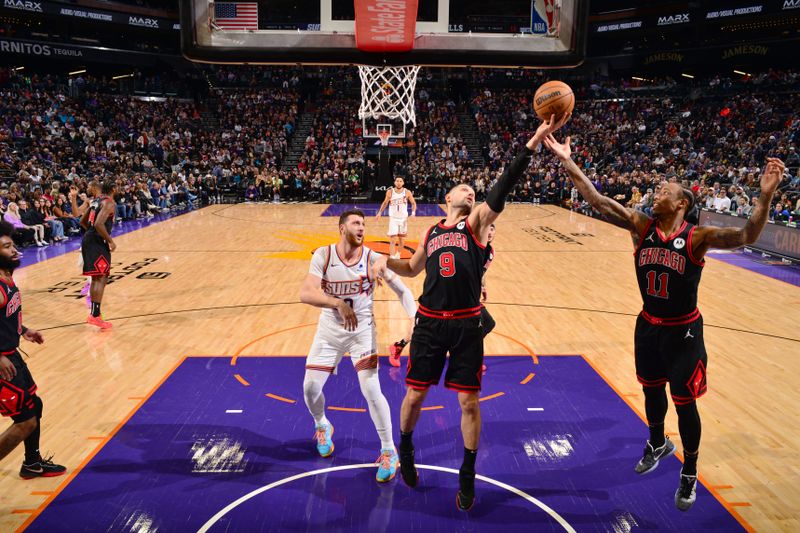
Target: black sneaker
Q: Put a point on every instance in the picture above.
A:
(686, 493)
(652, 456)
(466, 490)
(407, 469)
(42, 468)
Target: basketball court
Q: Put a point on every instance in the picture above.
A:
(189, 415)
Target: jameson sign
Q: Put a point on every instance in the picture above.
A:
(95, 15)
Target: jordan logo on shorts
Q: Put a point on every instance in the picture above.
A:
(688, 334)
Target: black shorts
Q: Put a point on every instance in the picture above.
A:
(16, 396)
(433, 338)
(487, 321)
(96, 257)
(674, 354)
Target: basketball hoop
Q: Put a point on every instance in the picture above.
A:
(388, 92)
(384, 137)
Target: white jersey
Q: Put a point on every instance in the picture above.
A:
(398, 205)
(347, 282)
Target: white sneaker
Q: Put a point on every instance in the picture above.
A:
(686, 493)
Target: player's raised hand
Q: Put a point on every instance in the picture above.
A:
(546, 128)
(349, 319)
(773, 174)
(563, 151)
(378, 268)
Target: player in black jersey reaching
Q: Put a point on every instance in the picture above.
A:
(668, 341)
(452, 253)
(96, 248)
(18, 398)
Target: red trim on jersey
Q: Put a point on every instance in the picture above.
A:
(344, 262)
(672, 321)
(642, 236)
(474, 237)
(685, 400)
(651, 382)
(454, 314)
(328, 369)
(667, 239)
(462, 388)
(4, 294)
(441, 224)
(692, 258)
(10, 352)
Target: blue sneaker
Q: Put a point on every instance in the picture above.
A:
(387, 465)
(322, 436)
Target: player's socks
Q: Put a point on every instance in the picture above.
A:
(95, 309)
(466, 481)
(408, 470)
(689, 463)
(656, 434)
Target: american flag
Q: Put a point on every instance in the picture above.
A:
(230, 16)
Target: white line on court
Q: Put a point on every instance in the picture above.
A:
(231, 506)
(233, 411)
(535, 408)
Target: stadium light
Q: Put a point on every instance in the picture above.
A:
(77, 72)
(19, 68)
(688, 76)
(741, 73)
(122, 76)
(637, 78)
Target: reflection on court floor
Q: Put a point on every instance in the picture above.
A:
(223, 447)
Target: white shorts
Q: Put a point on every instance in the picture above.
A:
(398, 226)
(331, 343)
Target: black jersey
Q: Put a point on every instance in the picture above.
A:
(488, 258)
(453, 270)
(11, 322)
(94, 211)
(668, 273)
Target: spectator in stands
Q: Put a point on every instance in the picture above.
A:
(31, 219)
(44, 214)
(26, 233)
(780, 214)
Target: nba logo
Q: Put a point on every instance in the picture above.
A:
(542, 15)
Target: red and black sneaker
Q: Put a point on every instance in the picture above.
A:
(41, 468)
(394, 352)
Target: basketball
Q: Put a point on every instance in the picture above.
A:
(553, 98)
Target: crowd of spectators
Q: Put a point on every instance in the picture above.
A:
(58, 134)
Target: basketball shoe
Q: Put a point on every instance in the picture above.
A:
(43, 468)
(387, 465)
(322, 436)
(394, 352)
(686, 493)
(651, 456)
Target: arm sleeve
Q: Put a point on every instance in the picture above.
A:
(402, 292)
(496, 197)
(319, 261)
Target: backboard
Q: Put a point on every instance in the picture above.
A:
(496, 33)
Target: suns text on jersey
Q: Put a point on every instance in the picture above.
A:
(347, 288)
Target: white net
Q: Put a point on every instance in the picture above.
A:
(388, 92)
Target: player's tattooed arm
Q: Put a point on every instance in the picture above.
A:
(612, 211)
(707, 237)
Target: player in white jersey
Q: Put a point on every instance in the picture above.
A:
(341, 282)
(397, 198)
